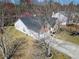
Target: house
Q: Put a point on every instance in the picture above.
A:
(28, 25)
(68, 23)
(73, 22)
(61, 20)
(60, 17)
(31, 26)
(73, 19)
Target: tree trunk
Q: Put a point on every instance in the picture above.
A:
(5, 58)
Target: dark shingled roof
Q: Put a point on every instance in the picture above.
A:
(31, 23)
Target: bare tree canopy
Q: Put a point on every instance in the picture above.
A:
(9, 46)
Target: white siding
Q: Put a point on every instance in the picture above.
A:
(19, 25)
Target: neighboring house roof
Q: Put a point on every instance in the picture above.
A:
(31, 23)
(60, 17)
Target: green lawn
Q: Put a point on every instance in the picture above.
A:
(59, 55)
(17, 34)
(67, 37)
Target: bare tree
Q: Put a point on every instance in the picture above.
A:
(9, 47)
(45, 51)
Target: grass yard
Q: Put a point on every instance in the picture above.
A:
(59, 55)
(31, 50)
(67, 37)
(15, 33)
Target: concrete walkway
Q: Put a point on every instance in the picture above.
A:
(65, 47)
